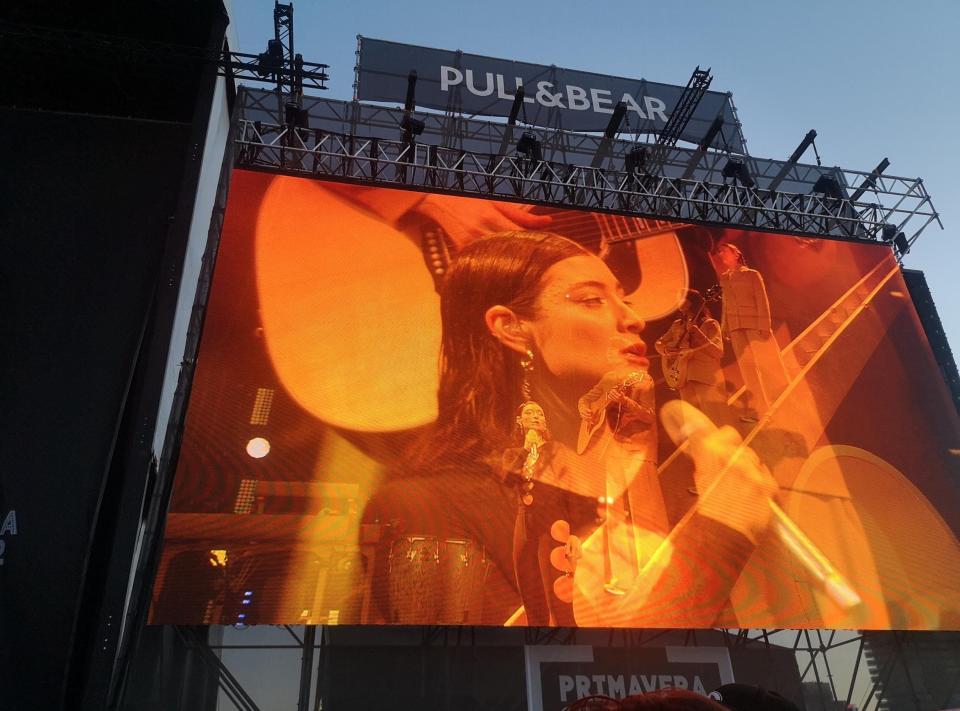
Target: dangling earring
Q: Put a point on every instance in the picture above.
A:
(533, 425)
(526, 363)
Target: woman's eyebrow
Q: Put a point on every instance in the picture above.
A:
(592, 283)
(617, 286)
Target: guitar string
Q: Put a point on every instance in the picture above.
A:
(584, 228)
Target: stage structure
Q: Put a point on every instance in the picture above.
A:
(450, 153)
(361, 143)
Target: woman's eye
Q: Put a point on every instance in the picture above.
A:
(593, 300)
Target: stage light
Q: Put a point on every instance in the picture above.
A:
(412, 126)
(296, 116)
(619, 111)
(270, 61)
(411, 101)
(258, 448)
(792, 160)
(711, 133)
(702, 147)
(870, 180)
(888, 232)
(529, 146)
(635, 160)
(827, 185)
(736, 170)
(517, 104)
(901, 244)
(730, 169)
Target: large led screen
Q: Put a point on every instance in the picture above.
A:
(411, 408)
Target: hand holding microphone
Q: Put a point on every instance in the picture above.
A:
(737, 491)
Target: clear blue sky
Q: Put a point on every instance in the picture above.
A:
(875, 78)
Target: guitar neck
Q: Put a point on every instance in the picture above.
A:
(594, 231)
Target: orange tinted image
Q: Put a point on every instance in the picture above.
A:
(412, 408)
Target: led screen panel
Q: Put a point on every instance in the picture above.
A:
(421, 409)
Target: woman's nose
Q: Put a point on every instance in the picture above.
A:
(630, 320)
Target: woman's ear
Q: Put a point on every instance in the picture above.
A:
(507, 328)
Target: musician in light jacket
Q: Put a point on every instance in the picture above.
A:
(746, 322)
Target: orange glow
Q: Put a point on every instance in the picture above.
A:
(324, 315)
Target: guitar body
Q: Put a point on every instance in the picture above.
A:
(350, 315)
(675, 370)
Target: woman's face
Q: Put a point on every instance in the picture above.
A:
(532, 418)
(583, 328)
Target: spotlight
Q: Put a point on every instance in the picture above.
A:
(517, 104)
(619, 111)
(409, 104)
(708, 138)
(807, 141)
(736, 170)
(888, 233)
(412, 126)
(635, 160)
(828, 186)
(901, 245)
(296, 116)
(270, 61)
(711, 133)
(871, 180)
(529, 146)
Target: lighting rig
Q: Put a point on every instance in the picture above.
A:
(705, 184)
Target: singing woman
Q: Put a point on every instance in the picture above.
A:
(576, 534)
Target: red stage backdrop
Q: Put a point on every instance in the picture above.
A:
(320, 482)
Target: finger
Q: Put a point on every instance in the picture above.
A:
(728, 435)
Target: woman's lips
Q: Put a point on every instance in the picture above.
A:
(636, 354)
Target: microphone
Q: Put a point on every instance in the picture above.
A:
(685, 423)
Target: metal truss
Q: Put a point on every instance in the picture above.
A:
(247, 66)
(840, 669)
(310, 643)
(680, 116)
(701, 199)
(51, 40)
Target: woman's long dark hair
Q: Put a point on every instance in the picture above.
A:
(480, 379)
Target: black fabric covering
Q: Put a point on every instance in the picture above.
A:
(85, 204)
